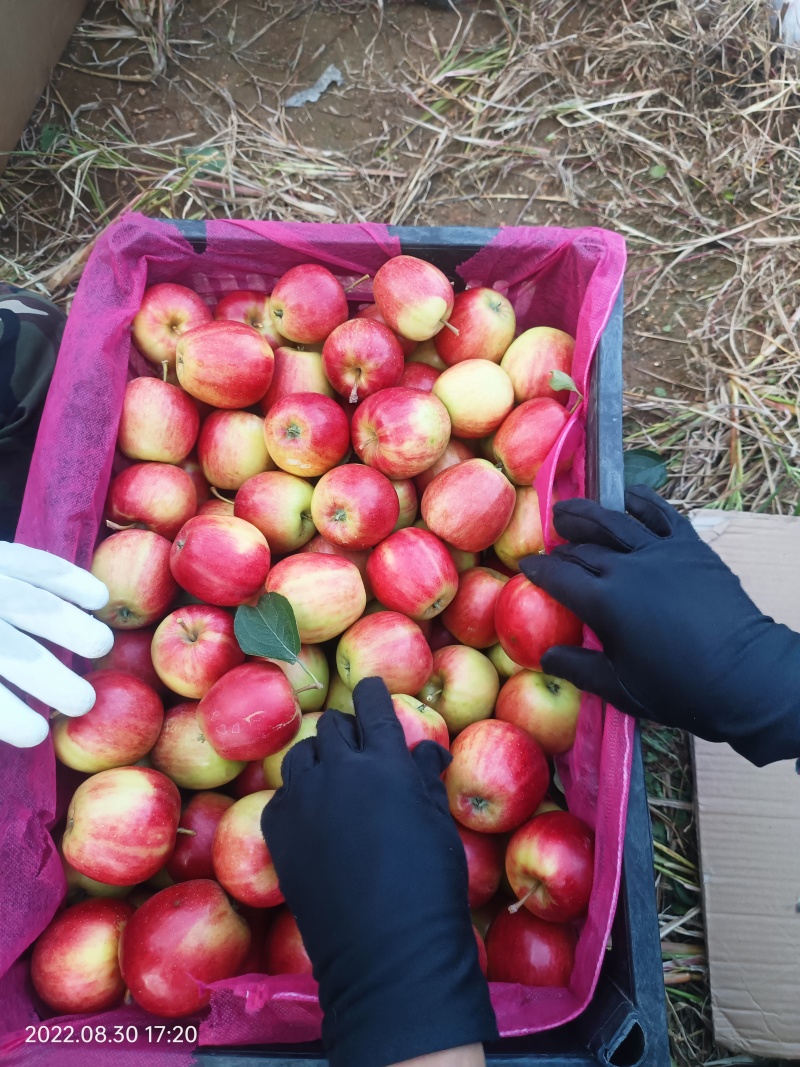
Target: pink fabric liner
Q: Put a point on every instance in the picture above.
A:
(563, 278)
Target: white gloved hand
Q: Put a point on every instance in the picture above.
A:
(38, 594)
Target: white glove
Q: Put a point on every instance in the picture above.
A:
(32, 585)
(789, 12)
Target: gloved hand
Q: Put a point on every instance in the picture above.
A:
(371, 865)
(34, 589)
(683, 644)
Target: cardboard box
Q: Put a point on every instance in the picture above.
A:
(749, 826)
(32, 37)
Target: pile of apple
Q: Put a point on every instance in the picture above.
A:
(376, 472)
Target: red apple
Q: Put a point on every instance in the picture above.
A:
(413, 296)
(192, 467)
(504, 665)
(550, 865)
(154, 496)
(546, 707)
(225, 364)
(307, 304)
(388, 645)
(401, 432)
(456, 452)
(326, 593)
(470, 615)
(217, 506)
(524, 949)
(310, 658)
(529, 621)
(284, 951)
(193, 647)
(273, 778)
(252, 308)
(220, 559)
(527, 436)
(359, 558)
(360, 357)
(407, 500)
(184, 754)
(167, 311)
(279, 505)
(418, 376)
(134, 567)
(419, 722)
(179, 942)
(477, 394)
(251, 779)
(412, 572)
(307, 434)
(231, 448)
(485, 321)
(437, 634)
(498, 777)
(484, 864)
(131, 653)
(531, 359)
(121, 825)
(469, 505)
(74, 966)
(354, 506)
(523, 536)
(462, 686)
(121, 727)
(483, 959)
(242, 863)
(426, 353)
(250, 713)
(192, 855)
(296, 371)
(371, 312)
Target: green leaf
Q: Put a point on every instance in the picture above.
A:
(643, 467)
(50, 134)
(559, 381)
(269, 629)
(657, 172)
(660, 391)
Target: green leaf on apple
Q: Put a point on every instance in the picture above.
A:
(643, 467)
(560, 381)
(270, 630)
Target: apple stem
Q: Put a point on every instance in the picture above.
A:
(186, 630)
(183, 830)
(307, 688)
(514, 908)
(164, 369)
(215, 492)
(431, 697)
(354, 391)
(316, 683)
(450, 326)
(116, 526)
(356, 283)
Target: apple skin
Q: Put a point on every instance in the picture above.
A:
(120, 728)
(167, 311)
(462, 686)
(242, 863)
(193, 647)
(192, 467)
(524, 949)
(250, 780)
(191, 857)
(437, 635)
(386, 644)
(74, 966)
(216, 507)
(504, 665)
(177, 943)
(412, 572)
(371, 312)
(419, 722)
(231, 448)
(326, 593)
(131, 654)
(400, 431)
(121, 825)
(531, 359)
(426, 353)
(407, 500)
(306, 434)
(360, 357)
(251, 307)
(134, 567)
(469, 505)
(485, 321)
(225, 364)
(157, 496)
(545, 706)
(340, 696)
(553, 855)
(413, 296)
(470, 614)
(250, 712)
(529, 621)
(279, 505)
(526, 438)
(313, 656)
(284, 951)
(478, 396)
(419, 376)
(484, 864)
(354, 506)
(296, 371)
(498, 777)
(457, 451)
(523, 536)
(185, 755)
(307, 304)
(273, 779)
(220, 559)
(358, 557)
(483, 959)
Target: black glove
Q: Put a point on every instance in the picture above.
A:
(683, 643)
(373, 869)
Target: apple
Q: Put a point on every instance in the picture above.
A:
(184, 754)
(469, 505)
(131, 653)
(296, 371)
(407, 500)
(528, 951)
(419, 722)
(437, 634)
(191, 857)
(307, 304)
(192, 467)
(340, 696)
(313, 658)
(154, 496)
(529, 621)
(250, 780)
(426, 353)
(121, 825)
(242, 863)
(504, 665)
(412, 572)
(371, 312)
(470, 615)
(251, 307)
(463, 560)
(545, 706)
(484, 864)
(389, 645)
(220, 559)
(523, 536)
(550, 865)
(167, 311)
(483, 959)
(284, 951)
(527, 437)
(531, 359)
(322, 547)
(74, 966)
(307, 434)
(273, 778)
(456, 452)
(120, 728)
(79, 886)
(193, 647)
(418, 376)
(498, 777)
(231, 448)
(485, 321)
(326, 593)
(179, 942)
(354, 506)
(360, 357)
(400, 431)
(134, 567)
(250, 712)
(477, 394)
(462, 686)
(225, 364)
(217, 506)
(413, 296)
(279, 505)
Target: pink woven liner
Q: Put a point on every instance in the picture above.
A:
(563, 278)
